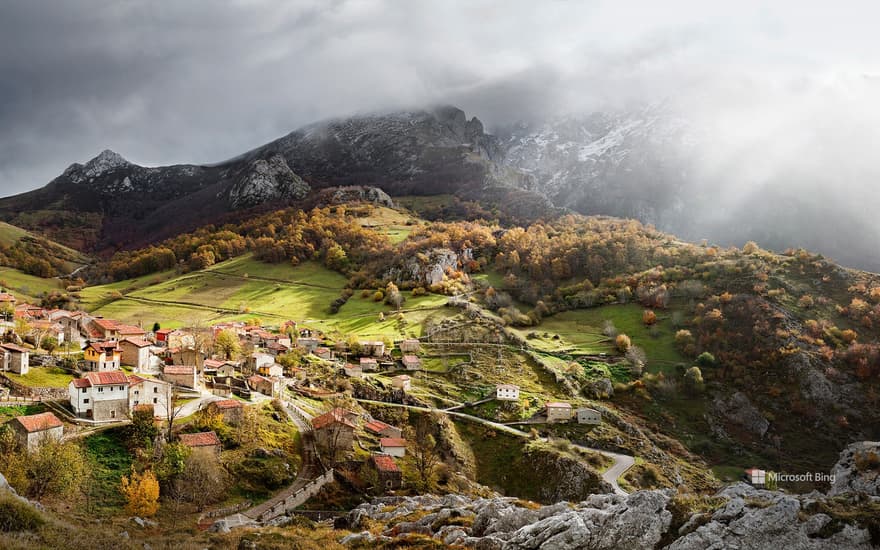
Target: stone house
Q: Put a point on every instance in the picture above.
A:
(368, 364)
(135, 353)
(266, 386)
(257, 360)
(181, 375)
(388, 474)
(375, 348)
(32, 430)
(273, 369)
(558, 412)
(411, 362)
(15, 358)
(334, 430)
(377, 427)
(586, 415)
(231, 410)
(323, 353)
(203, 443)
(410, 345)
(101, 396)
(353, 371)
(402, 382)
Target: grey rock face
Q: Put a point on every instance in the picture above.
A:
(267, 180)
(739, 410)
(858, 470)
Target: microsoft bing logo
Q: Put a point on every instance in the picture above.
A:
(756, 477)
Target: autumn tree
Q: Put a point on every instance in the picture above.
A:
(423, 453)
(228, 344)
(141, 492)
(622, 342)
(649, 317)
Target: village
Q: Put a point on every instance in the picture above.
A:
(118, 372)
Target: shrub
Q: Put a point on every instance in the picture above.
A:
(16, 515)
(706, 359)
(649, 317)
(623, 343)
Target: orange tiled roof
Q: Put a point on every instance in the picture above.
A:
(201, 439)
(336, 416)
(385, 463)
(39, 422)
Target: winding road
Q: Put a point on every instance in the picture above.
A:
(622, 462)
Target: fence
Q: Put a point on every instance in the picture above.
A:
(298, 498)
(223, 512)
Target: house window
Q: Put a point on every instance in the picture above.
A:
(155, 400)
(155, 389)
(86, 400)
(136, 402)
(137, 392)
(84, 390)
(100, 389)
(113, 414)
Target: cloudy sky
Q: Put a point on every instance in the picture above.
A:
(201, 81)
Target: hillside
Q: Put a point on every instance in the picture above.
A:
(705, 354)
(36, 255)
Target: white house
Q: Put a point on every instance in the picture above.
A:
(558, 412)
(393, 446)
(507, 392)
(100, 396)
(274, 370)
(410, 345)
(149, 391)
(32, 430)
(411, 362)
(376, 348)
(15, 358)
(586, 415)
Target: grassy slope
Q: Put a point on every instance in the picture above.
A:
(243, 287)
(26, 287)
(43, 377)
(10, 234)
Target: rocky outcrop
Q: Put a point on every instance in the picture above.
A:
(858, 470)
(744, 517)
(428, 267)
(267, 180)
(356, 193)
(753, 518)
(739, 410)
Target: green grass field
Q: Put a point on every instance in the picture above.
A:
(243, 288)
(580, 332)
(42, 377)
(26, 287)
(10, 234)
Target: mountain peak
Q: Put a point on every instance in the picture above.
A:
(105, 161)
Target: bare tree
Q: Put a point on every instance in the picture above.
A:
(173, 408)
(423, 452)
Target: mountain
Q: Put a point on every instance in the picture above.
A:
(110, 203)
(647, 163)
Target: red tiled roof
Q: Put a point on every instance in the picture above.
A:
(81, 383)
(134, 380)
(376, 426)
(336, 416)
(130, 330)
(164, 331)
(256, 379)
(202, 439)
(392, 442)
(13, 347)
(107, 378)
(39, 422)
(6, 297)
(179, 369)
(106, 324)
(558, 404)
(213, 364)
(385, 463)
(105, 347)
(227, 404)
(138, 342)
(411, 358)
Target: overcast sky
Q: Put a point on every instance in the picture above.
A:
(193, 81)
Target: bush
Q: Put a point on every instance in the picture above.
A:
(16, 515)
(623, 343)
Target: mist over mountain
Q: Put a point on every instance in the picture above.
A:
(649, 163)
